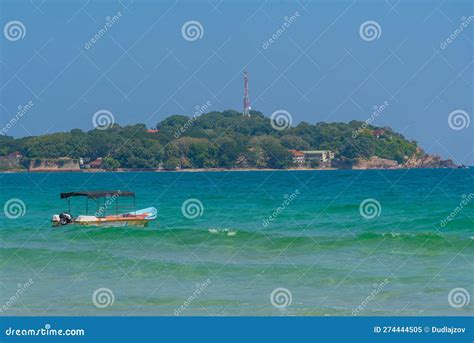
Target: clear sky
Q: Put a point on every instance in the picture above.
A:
(319, 66)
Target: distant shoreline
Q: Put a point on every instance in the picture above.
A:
(200, 170)
(227, 141)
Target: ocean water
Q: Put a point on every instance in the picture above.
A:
(262, 243)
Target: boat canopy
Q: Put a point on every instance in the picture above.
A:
(97, 194)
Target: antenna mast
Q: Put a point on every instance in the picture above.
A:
(246, 111)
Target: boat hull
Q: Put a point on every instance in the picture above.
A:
(139, 218)
(113, 223)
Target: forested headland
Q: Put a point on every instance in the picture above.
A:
(215, 140)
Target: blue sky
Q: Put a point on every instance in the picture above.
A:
(319, 69)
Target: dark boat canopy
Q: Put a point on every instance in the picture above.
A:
(97, 194)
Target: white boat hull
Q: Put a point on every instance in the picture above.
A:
(136, 218)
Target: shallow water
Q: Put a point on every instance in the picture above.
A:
(318, 246)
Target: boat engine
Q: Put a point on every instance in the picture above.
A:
(65, 218)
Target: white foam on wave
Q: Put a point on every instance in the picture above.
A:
(225, 232)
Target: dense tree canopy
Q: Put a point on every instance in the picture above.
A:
(216, 139)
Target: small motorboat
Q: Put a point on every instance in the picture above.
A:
(100, 217)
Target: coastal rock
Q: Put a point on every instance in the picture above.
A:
(10, 162)
(375, 162)
(428, 161)
(59, 164)
(420, 160)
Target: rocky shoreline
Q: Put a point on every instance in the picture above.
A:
(426, 161)
(419, 160)
(198, 170)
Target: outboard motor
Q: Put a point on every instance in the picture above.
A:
(65, 218)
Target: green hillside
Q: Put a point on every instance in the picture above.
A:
(216, 139)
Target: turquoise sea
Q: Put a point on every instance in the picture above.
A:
(262, 243)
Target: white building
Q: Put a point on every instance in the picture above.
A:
(318, 155)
